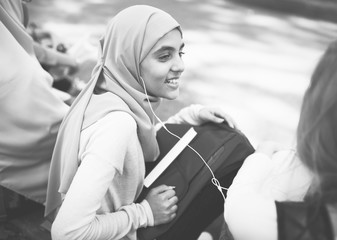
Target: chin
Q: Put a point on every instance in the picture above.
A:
(172, 95)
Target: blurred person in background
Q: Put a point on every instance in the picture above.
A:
(56, 61)
(30, 111)
(293, 194)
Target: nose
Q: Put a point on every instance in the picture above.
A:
(178, 65)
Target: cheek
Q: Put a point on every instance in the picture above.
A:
(151, 80)
(154, 80)
(157, 72)
(154, 74)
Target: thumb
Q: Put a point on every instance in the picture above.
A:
(161, 188)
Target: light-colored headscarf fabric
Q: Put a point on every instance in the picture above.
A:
(30, 112)
(129, 37)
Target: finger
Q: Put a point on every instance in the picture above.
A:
(212, 116)
(161, 189)
(222, 114)
(217, 119)
(173, 201)
(173, 216)
(173, 211)
(228, 119)
(218, 114)
(168, 194)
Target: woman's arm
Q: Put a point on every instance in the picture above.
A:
(52, 57)
(101, 161)
(197, 114)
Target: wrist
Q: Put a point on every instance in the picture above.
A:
(150, 218)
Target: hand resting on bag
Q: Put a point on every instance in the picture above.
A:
(216, 115)
(163, 202)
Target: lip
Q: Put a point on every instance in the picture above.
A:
(170, 79)
(172, 83)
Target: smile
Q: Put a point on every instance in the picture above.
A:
(173, 81)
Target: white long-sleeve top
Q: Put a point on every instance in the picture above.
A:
(100, 201)
(250, 210)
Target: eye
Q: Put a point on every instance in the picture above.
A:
(164, 57)
(181, 53)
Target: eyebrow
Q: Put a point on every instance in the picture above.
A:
(168, 48)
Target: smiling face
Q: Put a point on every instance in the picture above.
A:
(162, 67)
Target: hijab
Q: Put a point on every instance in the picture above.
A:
(129, 37)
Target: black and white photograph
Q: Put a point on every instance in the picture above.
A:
(168, 120)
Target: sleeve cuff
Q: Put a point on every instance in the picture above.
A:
(148, 212)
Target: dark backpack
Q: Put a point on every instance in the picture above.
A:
(224, 150)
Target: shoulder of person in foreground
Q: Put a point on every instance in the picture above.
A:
(270, 174)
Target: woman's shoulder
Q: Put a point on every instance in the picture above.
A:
(107, 109)
(116, 122)
(109, 137)
(120, 119)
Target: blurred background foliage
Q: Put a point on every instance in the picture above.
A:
(254, 58)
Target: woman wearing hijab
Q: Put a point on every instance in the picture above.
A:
(98, 164)
(293, 196)
(30, 111)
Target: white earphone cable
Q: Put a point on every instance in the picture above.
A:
(214, 180)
